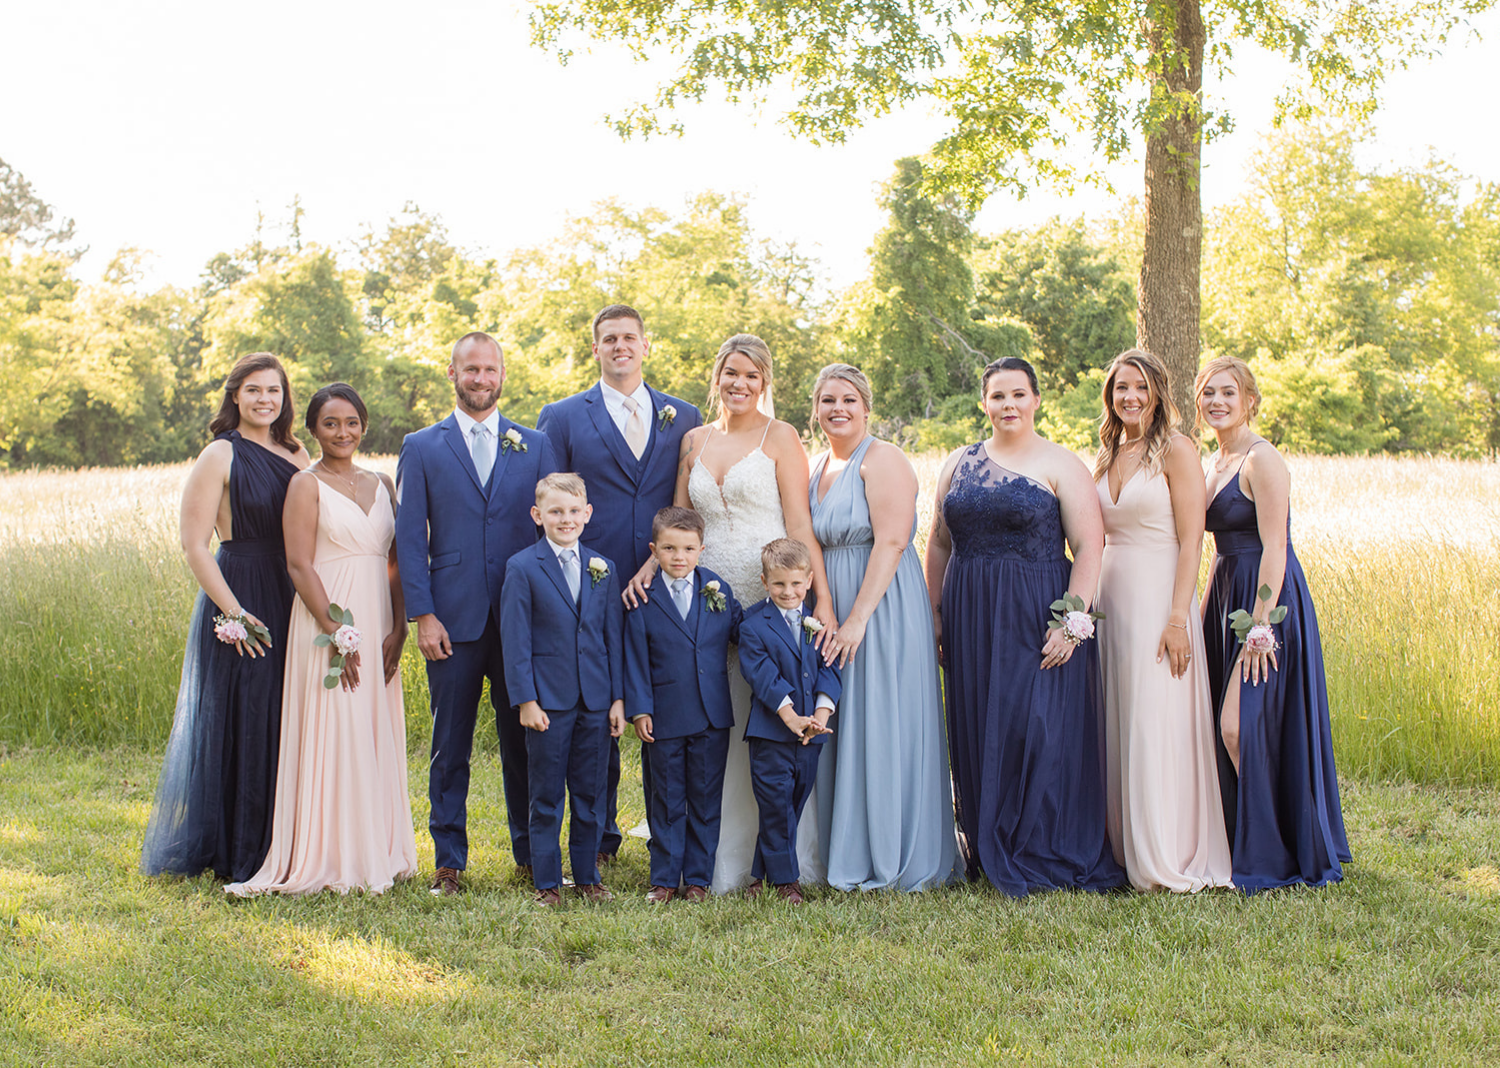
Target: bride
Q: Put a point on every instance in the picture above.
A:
(746, 474)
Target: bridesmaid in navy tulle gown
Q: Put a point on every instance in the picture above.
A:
(1276, 774)
(1025, 726)
(214, 796)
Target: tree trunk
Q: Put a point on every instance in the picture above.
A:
(1168, 302)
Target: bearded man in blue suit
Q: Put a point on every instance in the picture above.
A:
(465, 488)
(623, 437)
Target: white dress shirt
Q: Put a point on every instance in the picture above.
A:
(614, 403)
(467, 423)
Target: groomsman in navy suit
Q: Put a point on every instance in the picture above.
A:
(677, 698)
(623, 437)
(465, 487)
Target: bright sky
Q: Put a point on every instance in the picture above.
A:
(166, 124)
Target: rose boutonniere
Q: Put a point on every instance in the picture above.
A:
(666, 417)
(511, 441)
(237, 628)
(812, 626)
(1075, 621)
(598, 570)
(1257, 637)
(344, 641)
(713, 596)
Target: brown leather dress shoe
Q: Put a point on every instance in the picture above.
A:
(548, 898)
(791, 893)
(753, 890)
(660, 895)
(445, 883)
(595, 893)
(695, 894)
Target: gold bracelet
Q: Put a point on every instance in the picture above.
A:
(1182, 625)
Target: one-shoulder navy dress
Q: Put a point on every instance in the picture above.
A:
(1282, 809)
(218, 780)
(1027, 745)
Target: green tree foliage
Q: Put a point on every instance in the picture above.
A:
(1367, 299)
(25, 218)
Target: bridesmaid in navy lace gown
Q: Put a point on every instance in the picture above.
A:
(1025, 726)
(1276, 773)
(214, 795)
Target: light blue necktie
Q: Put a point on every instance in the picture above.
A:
(682, 593)
(569, 560)
(484, 457)
(793, 618)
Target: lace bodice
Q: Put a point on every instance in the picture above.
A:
(738, 518)
(991, 511)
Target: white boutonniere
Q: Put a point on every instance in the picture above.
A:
(511, 441)
(598, 570)
(666, 417)
(713, 596)
(812, 626)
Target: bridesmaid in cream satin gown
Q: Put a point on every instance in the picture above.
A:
(343, 813)
(1165, 821)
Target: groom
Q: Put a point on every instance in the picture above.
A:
(623, 437)
(465, 487)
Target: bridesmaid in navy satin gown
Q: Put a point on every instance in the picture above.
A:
(1276, 773)
(1025, 716)
(218, 779)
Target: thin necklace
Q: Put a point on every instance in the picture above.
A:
(352, 483)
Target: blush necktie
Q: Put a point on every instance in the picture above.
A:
(635, 428)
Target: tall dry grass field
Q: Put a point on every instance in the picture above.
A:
(1403, 557)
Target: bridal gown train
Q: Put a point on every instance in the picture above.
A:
(738, 518)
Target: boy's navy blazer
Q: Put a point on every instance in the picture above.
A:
(776, 663)
(557, 652)
(626, 493)
(454, 535)
(677, 670)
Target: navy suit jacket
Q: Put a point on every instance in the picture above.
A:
(677, 670)
(557, 652)
(626, 493)
(453, 538)
(777, 664)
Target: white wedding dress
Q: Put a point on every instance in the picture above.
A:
(740, 517)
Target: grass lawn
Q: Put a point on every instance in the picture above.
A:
(99, 966)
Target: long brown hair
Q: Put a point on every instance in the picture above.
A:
(228, 416)
(1163, 418)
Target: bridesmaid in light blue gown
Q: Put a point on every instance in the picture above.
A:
(885, 803)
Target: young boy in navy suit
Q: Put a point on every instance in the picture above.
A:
(677, 695)
(562, 627)
(793, 692)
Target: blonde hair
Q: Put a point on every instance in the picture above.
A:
(788, 553)
(562, 482)
(1163, 416)
(1243, 376)
(757, 352)
(841, 372)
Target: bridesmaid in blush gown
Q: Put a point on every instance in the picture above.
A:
(1165, 821)
(213, 797)
(1276, 773)
(343, 814)
(883, 790)
(746, 474)
(1024, 723)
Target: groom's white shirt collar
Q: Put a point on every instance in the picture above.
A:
(467, 423)
(614, 403)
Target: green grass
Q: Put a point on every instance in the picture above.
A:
(100, 966)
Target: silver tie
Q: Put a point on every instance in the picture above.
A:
(635, 428)
(793, 618)
(682, 593)
(569, 560)
(484, 457)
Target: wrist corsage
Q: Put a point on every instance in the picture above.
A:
(1257, 637)
(666, 417)
(812, 626)
(598, 570)
(238, 628)
(713, 597)
(344, 641)
(1072, 617)
(511, 441)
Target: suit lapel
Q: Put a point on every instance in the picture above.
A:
(653, 428)
(793, 640)
(668, 607)
(502, 454)
(455, 438)
(610, 434)
(553, 567)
